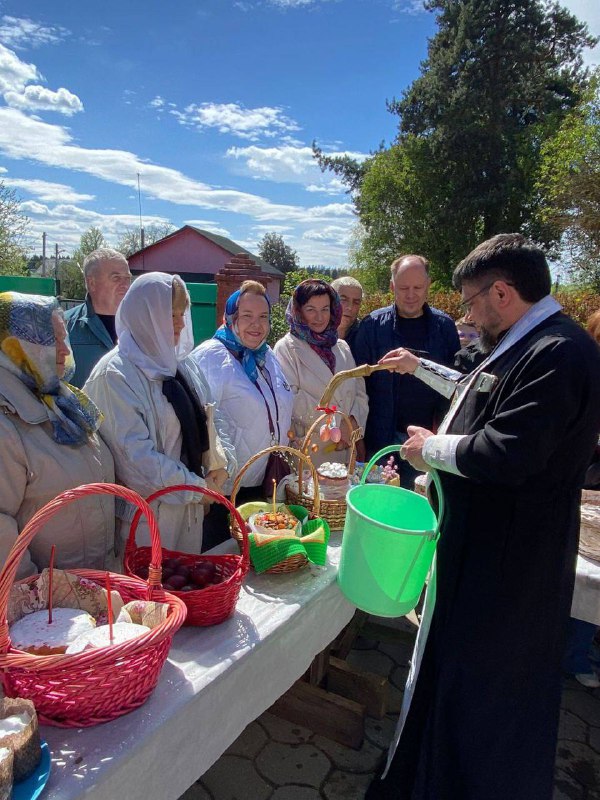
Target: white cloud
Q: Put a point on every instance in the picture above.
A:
(289, 164)
(38, 98)
(64, 223)
(260, 229)
(233, 118)
(208, 225)
(22, 137)
(291, 3)
(15, 75)
(411, 7)
(157, 102)
(587, 11)
(19, 32)
(334, 186)
(47, 191)
(329, 233)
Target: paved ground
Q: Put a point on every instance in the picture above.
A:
(276, 760)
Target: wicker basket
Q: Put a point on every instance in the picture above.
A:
(102, 684)
(213, 604)
(334, 511)
(295, 561)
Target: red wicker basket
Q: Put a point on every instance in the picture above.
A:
(73, 691)
(213, 604)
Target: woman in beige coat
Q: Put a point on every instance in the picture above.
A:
(309, 355)
(48, 442)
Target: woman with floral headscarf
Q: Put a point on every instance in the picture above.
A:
(158, 412)
(247, 382)
(48, 442)
(310, 354)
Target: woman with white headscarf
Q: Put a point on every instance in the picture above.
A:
(158, 419)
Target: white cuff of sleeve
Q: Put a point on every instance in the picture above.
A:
(439, 451)
(439, 383)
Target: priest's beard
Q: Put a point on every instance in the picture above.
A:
(487, 340)
(491, 329)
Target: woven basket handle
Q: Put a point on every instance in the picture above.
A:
(356, 372)
(302, 457)
(355, 435)
(130, 546)
(9, 571)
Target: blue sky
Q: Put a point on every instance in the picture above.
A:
(214, 103)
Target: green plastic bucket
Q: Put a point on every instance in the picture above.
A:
(388, 545)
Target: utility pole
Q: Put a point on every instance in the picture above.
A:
(142, 232)
(44, 254)
(56, 281)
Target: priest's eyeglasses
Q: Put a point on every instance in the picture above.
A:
(465, 305)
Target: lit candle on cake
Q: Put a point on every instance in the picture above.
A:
(109, 607)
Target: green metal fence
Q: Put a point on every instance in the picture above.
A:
(204, 307)
(24, 285)
(202, 295)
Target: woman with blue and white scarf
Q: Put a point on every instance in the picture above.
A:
(247, 383)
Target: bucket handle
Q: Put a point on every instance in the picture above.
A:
(395, 448)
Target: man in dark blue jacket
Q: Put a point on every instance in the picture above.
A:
(396, 401)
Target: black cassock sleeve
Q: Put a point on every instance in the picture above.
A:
(541, 397)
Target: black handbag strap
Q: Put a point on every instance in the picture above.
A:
(268, 381)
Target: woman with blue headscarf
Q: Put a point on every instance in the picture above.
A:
(247, 383)
(48, 442)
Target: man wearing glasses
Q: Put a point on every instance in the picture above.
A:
(91, 325)
(396, 401)
(480, 715)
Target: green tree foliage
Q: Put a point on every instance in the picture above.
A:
(70, 270)
(277, 253)
(578, 303)
(569, 184)
(71, 281)
(13, 224)
(499, 79)
(130, 241)
(92, 239)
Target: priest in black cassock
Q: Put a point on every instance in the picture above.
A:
(481, 708)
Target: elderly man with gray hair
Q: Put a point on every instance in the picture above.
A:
(351, 295)
(91, 325)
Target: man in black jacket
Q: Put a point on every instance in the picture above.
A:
(396, 401)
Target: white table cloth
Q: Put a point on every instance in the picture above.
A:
(586, 595)
(215, 682)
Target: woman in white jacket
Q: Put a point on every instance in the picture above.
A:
(247, 383)
(310, 354)
(157, 414)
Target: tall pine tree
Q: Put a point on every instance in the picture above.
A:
(499, 78)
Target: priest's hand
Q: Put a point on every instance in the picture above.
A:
(400, 360)
(412, 448)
